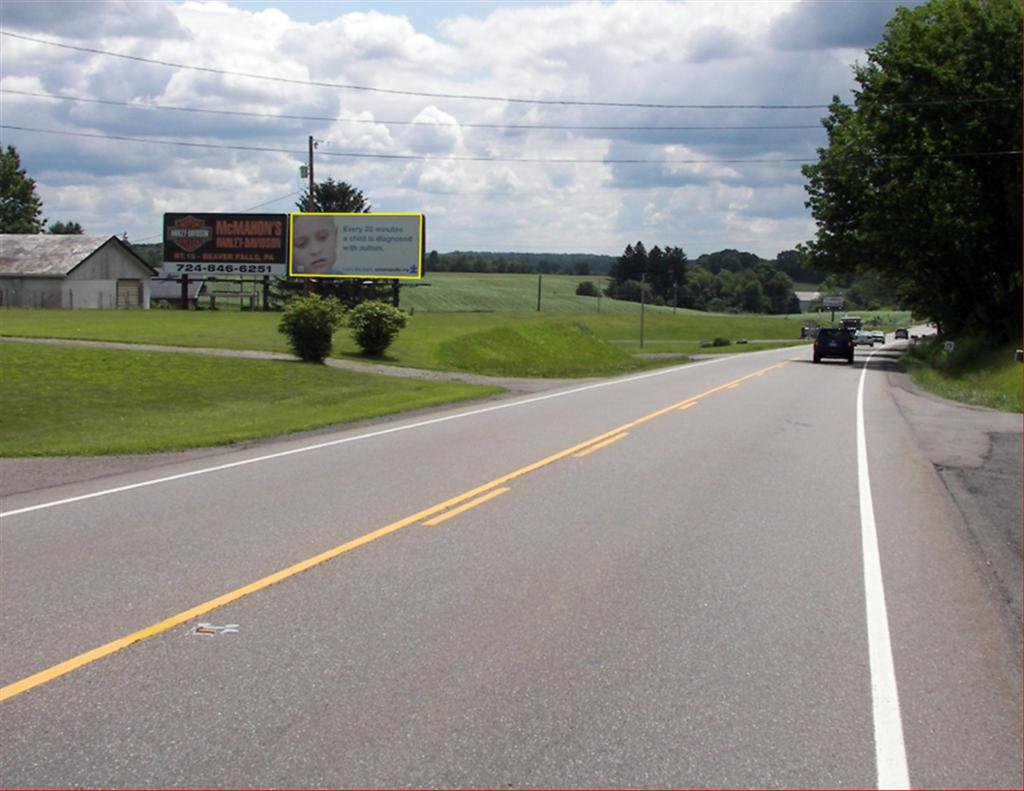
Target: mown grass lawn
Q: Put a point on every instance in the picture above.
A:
(213, 329)
(133, 402)
(425, 343)
(451, 306)
(74, 401)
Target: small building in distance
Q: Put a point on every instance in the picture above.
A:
(806, 298)
(71, 271)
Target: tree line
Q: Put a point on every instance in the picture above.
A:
(729, 280)
(723, 282)
(519, 263)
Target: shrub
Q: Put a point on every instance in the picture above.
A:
(374, 325)
(720, 342)
(631, 290)
(587, 289)
(310, 322)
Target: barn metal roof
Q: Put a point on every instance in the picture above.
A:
(52, 255)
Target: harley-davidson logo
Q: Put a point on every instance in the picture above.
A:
(190, 233)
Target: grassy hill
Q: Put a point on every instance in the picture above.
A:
(453, 292)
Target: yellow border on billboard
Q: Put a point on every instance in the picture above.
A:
(363, 276)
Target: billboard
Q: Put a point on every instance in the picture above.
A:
(225, 244)
(367, 245)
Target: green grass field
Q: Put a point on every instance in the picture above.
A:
(133, 402)
(458, 292)
(72, 401)
(419, 345)
(449, 292)
(213, 329)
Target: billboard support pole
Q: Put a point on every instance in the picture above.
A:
(184, 292)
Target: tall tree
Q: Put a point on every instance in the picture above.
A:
(668, 278)
(778, 292)
(794, 263)
(336, 196)
(630, 265)
(21, 208)
(662, 270)
(921, 181)
(730, 260)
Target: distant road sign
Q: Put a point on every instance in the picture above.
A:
(832, 303)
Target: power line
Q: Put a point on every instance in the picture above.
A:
(424, 94)
(478, 97)
(504, 160)
(272, 200)
(403, 157)
(455, 124)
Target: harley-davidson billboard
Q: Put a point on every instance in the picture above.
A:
(225, 244)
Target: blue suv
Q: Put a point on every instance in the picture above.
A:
(833, 342)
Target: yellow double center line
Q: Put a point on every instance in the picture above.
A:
(433, 515)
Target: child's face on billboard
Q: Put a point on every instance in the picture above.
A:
(314, 247)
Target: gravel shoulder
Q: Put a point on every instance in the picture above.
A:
(977, 453)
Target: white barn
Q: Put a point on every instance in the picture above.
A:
(71, 271)
(806, 298)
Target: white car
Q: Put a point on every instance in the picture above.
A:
(863, 338)
(878, 335)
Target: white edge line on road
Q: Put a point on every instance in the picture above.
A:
(372, 434)
(890, 750)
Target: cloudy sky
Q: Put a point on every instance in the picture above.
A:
(514, 126)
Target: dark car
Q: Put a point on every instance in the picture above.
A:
(901, 334)
(833, 342)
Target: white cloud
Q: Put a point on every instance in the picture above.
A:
(576, 191)
(436, 132)
(362, 134)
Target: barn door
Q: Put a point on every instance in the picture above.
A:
(128, 293)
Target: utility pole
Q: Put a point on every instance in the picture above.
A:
(539, 277)
(643, 288)
(310, 206)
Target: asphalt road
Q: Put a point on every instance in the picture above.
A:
(665, 580)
